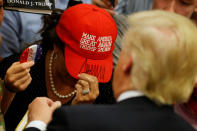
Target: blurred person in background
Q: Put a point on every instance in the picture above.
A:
(189, 110)
(2, 124)
(131, 6)
(1, 19)
(183, 7)
(20, 29)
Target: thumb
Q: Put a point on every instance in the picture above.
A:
(28, 64)
(55, 105)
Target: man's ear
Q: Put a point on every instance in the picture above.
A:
(128, 66)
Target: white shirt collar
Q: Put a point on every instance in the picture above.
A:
(129, 94)
(37, 124)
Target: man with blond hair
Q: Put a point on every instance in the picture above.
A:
(187, 8)
(154, 71)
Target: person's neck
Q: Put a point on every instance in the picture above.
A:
(65, 79)
(123, 87)
(62, 76)
(129, 94)
(57, 84)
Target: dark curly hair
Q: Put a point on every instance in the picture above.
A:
(48, 31)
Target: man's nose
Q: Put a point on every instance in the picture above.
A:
(171, 6)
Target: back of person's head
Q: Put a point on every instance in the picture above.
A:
(164, 52)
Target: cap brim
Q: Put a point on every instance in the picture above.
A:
(76, 64)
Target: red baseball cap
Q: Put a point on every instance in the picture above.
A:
(88, 33)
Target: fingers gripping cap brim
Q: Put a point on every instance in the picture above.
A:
(76, 64)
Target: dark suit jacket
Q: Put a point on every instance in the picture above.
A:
(134, 114)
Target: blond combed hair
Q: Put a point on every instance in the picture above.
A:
(164, 52)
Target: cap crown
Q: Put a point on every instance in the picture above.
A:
(87, 30)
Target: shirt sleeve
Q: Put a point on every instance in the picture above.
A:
(37, 124)
(131, 6)
(10, 31)
(120, 8)
(87, 1)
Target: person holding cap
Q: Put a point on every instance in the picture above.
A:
(77, 54)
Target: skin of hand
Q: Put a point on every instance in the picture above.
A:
(18, 77)
(86, 82)
(106, 4)
(42, 109)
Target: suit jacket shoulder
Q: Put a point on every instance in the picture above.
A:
(136, 114)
